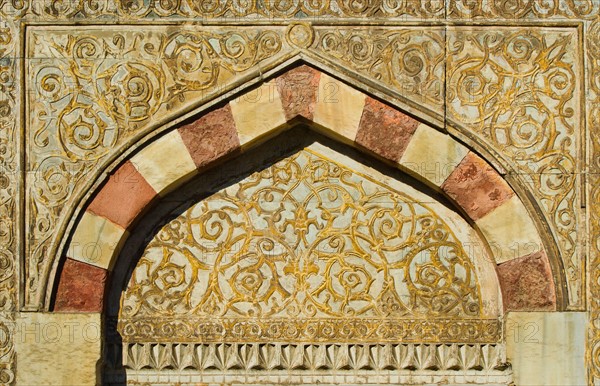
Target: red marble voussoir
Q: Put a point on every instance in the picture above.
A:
(81, 287)
(477, 187)
(123, 197)
(298, 89)
(211, 136)
(384, 130)
(527, 283)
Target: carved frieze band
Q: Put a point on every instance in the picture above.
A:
(307, 330)
(330, 9)
(208, 357)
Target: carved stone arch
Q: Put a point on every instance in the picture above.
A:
(395, 335)
(84, 88)
(486, 200)
(365, 122)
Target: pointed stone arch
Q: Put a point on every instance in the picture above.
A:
(339, 111)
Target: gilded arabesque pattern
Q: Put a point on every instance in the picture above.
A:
(408, 61)
(519, 92)
(306, 249)
(522, 9)
(329, 9)
(494, 87)
(593, 189)
(92, 92)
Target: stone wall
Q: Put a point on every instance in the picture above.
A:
(492, 105)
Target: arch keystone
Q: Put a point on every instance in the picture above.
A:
(339, 107)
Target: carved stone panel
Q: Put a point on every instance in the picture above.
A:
(83, 81)
(92, 93)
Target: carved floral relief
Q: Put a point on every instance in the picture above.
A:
(520, 92)
(90, 93)
(306, 250)
(99, 88)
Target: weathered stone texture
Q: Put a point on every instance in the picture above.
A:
(81, 287)
(96, 240)
(298, 90)
(257, 112)
(527, 283)
(547, 348)
(165, 163)
(432, 155)
(211, 136)
(476, 187)
(123, 197)
(58, 348)
(384, 130)
(510, 231)
(339, 107)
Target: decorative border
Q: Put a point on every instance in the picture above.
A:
(274, 357)
(592, 186)
(330, 9)
(357, 331)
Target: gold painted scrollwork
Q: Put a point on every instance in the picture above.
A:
(92, 92)
(305, 239)
(519, 91)
(593, 184)
(7, 352)
(299, 9)
(9, 191)
(409, 61)
(520, 9)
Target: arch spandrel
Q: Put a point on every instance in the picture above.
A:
(317, 242)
